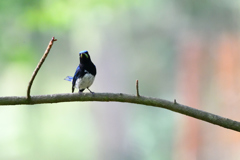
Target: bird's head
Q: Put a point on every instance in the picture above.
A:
(84, 57)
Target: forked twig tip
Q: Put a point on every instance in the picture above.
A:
(53, 39)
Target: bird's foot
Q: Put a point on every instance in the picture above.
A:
(90, 91)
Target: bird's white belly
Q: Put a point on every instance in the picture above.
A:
(84, 82)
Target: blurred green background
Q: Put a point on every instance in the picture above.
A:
(177, 49)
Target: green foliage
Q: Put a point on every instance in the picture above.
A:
(21, 54)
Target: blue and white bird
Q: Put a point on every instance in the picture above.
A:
(85, 73)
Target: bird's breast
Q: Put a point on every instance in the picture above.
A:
(85, 81)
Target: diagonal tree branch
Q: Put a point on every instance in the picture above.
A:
(119, 97)
(39, 66)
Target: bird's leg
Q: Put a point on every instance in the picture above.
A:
(81, 90)
(90, 91)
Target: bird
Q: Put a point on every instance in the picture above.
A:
(85, 73)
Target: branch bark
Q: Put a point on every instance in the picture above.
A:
(119, 97)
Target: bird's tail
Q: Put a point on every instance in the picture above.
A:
(69, 78)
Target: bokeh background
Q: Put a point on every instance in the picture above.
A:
(177, 49)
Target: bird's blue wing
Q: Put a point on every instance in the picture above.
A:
(78, 74)
(69, 78)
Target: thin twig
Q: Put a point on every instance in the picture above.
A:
(175, 101)
(39, 66)
(121, 97)
(137, 89)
